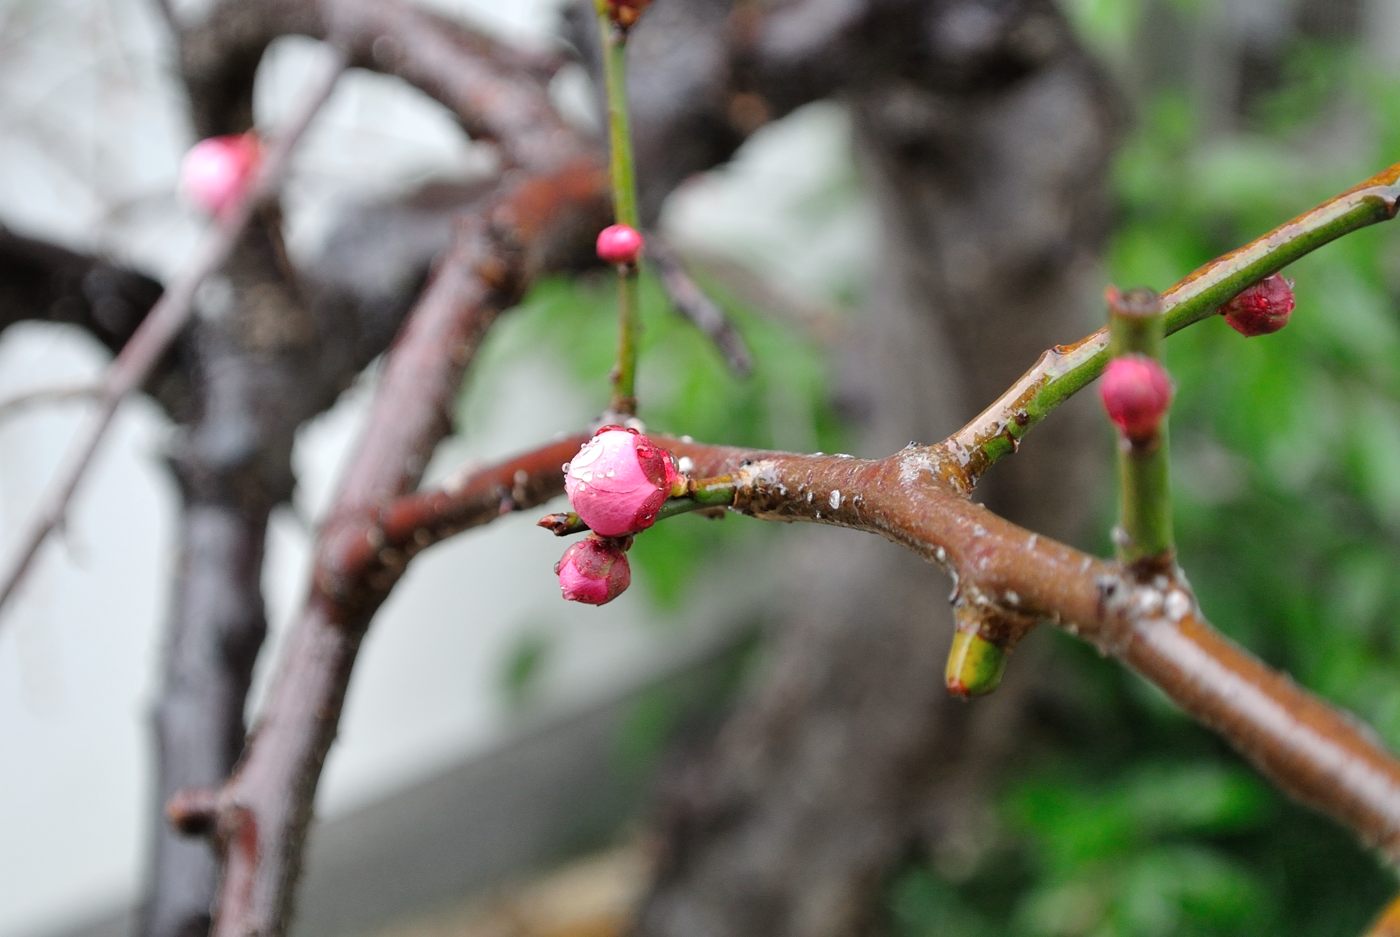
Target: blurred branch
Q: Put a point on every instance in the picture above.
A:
(264, 809)
(166, 9)
(138, 358)
(691, 301)
(44, 282)
(1060, 372)
(1388, 924)
(497, 91)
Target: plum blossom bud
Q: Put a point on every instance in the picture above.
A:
(1262, 307)
(619, 480)
(1136, 393)
(619, 244)
(217, 172)
(594, 570)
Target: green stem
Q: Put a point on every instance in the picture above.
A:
(1065, 369)
(700, 493)
(624, 186)
(1135, 325)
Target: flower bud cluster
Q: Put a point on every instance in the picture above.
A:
(616, 485)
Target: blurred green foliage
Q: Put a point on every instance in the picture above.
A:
(1286, 450)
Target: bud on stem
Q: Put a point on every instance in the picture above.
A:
(1137, 393)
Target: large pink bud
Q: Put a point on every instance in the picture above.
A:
(593, 571)
(1136, 393)
(217, 172)
(1262, 307)
(619, 480)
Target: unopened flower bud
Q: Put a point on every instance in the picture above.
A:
(1262, 307)
(1136, 392)
(974, 667)
(217, 172)
(619, 244)
(594, 570)
(619, 480)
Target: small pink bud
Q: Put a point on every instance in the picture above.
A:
(1136, 393)
(619, 244)
(619, 480)
(217, 172)
(1261, 308)
(594, 571)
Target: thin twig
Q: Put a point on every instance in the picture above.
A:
(692, 302)
(167, 318)
(624, 186)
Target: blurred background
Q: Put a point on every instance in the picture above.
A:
(510, 764)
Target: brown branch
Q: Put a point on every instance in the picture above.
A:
(43, 281)
(263, 811)
(917, 497)
(355, 552)
(1388, 923)
(139, 357)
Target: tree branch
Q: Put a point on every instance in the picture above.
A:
(262, 812)
(496, 91)
(159, 329)
(917, 497)
(42, 281)
(692, 303)
(1060, 372)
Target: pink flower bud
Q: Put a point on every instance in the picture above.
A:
(619, 244)
(1136, 393)
(1261, 308)
(619, 480)
(593, 571)
(217, 172)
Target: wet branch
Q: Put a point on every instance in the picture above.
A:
(1319, 755)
